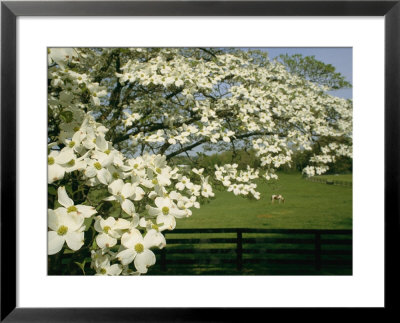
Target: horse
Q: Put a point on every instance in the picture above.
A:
(279, 198)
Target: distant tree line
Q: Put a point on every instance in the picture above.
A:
(244, 158)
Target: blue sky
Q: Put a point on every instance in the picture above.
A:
(340, 57)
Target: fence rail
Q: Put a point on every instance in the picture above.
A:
(242, 247)
(329, 182)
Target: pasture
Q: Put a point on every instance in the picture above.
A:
(338, 177)
(307, 205)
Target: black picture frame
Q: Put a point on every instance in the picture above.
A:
(11, 10)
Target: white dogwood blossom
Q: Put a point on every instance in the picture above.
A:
(109, 231)
(84, 211)
(64, 227)
(138, 249)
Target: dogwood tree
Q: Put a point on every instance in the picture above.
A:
(118, 116)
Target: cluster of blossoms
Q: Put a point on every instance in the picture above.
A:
(117, 116)
(238, 181)
(328, 155)
(161, 193)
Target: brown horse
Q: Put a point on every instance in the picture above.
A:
(279, 198)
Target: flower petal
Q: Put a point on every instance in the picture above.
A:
(114, 270)
(97, 225)
(161, 202)
(122, 224)
(168, 222)
(86, 210)
(54, 173)
(90, 172)
(154, 239)
(139, 193)
(109, 222)
(128, 207)
(128, 190)
(126, 256)
(109, 198)
(74, 240)
(178, 213)
(101, 143)
(55, 242)
(130, 239)
(72, 221)
(63, 197)
(116, 186)
(144, 260)
(153, 211)
(103, 240)
(52, 221)
(65, 156)
(104, 176)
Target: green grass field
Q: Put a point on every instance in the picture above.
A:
(308, 205)
(339, 177)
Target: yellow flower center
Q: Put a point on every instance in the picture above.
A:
(158, 170)
(106, 229)
(136, 166)
(76, 129)
(50, 160)
(71, 144)
(165, 210)
(154, 181)
(62, 230)
(115, 175)
(154, 226)
(97, 165)
(139, 248)
(103, 271)
(71, 162)
(72, 208)
(107, 151)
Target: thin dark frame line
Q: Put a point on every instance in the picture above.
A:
(9, 13)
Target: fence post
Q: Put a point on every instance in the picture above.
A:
(318, 251)
(163, 259)
(239, 251)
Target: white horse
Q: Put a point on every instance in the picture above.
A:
(279, 198)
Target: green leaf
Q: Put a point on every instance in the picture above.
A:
(94, 245)
(81, 265)
(87, 222)
(51, 190)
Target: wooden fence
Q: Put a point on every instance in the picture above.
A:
(244, 248)
(329, 182)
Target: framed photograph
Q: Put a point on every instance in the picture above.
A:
(197, 151)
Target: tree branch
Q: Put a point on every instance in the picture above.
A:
(187, 148)
(204, 140)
